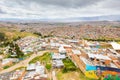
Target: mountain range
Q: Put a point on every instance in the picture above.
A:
(71, 19)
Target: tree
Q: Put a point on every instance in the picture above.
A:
(19, 53)
(38, 33)
(14, 48)
(2, 36)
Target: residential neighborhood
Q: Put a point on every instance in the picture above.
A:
(59, 39)
(90, 57)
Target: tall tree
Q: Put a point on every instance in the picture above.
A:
(18, 51)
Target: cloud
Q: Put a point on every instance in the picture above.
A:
(57, 9)
(112, 4)
(2, 12)
(63, 3)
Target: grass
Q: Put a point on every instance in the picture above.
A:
(8, 66)
(14, 33)
(45, 59)
(5, 67)
(48, 66)
(70, 72)
(68, 76)
(20, 68)
(119, 42)
(68, 65)
(71, 75)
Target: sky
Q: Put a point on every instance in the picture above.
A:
(57, 9)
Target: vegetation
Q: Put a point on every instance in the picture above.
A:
(48, 66)
(102, 39)
(20, 68)
(12, 34)
(19, 53)
(70, 72)
(37, 33)
(68, 65)
(44, 59)
(2, 36)
(71, 75)
(111, 77)
(15, 50)
(5, 67)
(74, 75)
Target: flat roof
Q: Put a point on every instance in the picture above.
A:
(98, 56)
(58, 56)
(86, 61)
(115, 45)
(76, 51)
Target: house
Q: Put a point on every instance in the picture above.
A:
(57, 64)
(76, 42)
(6, 62)
(30, 67)
(35, 71)
(77, 52)
(57, 60)
(54, 45)
(17, 75)
(68, 48)
(62, 50)
(40, 69)
(56, 56)
(115, 46)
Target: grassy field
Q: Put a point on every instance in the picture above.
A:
(71, 75)
(44, 59)
(14, 33)
(68, 65)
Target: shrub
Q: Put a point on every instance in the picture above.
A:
(48, 66)
(5, 67)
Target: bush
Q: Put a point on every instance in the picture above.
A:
(48, 66)
(5, 67)
(37, 33)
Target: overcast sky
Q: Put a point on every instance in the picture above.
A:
(57, 9)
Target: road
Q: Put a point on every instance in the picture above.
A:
(23, 63)
(54, 75)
